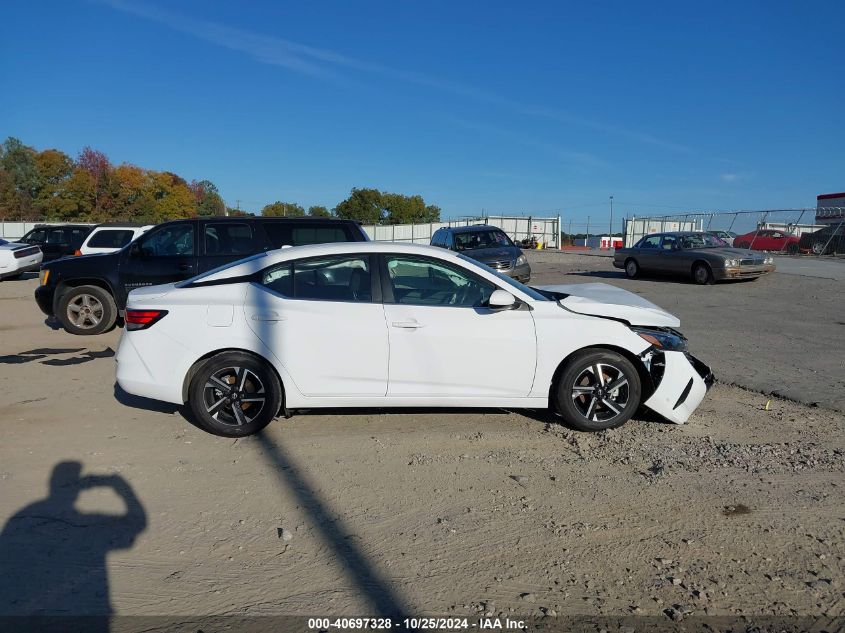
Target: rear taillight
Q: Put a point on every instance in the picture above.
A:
(26, 252)
(142, 319)
(77, 253)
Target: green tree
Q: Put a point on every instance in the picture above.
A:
(364, 205)
(318, 211)
(18, 161)
(53, 169)
(401, 209)
(283, 209)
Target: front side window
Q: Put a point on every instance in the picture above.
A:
(427, 282)
(169, 241)
(229, 239)
(111, 238)
(37, 236)
(669, 243)
(337, 278)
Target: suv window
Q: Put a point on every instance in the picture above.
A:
(483, 238)
(36, 236)
(339, 278)
(429, 282)
(228, 238)
(652, 241)
(175, 240)
(300, 233)
(77, 236)
(56, 236)
(111, 238)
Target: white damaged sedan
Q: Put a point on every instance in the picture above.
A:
(371, 324)
(17, 258)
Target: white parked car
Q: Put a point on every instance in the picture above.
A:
(108, 238)
(17, 258)
(372, 324)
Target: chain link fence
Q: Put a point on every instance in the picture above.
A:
(790, 231)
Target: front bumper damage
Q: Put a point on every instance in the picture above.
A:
(681, 381)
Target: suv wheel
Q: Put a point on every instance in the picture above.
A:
(234, 394)
(86, 310)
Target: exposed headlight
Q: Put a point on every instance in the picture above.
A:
(43, 276)
(730, 263)
(521, 260)
(667, 340)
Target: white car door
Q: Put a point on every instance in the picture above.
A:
(444, 341)
(319, 318)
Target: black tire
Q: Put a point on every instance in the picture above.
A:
(792, 248)
(632, 268)
(592, 410)
(701, 274)
(86, 310)
(818, 248)
(237, 412)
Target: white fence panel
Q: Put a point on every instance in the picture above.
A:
(518, 228)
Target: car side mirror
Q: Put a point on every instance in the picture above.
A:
(135, 250)
(501, 299)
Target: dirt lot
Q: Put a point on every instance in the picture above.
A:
(739, 511)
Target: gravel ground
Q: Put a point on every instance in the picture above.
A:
(738, 512)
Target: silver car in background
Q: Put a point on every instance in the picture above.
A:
(700, 256)
(487, 244)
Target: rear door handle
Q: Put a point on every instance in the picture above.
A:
(408, 325)
(268, 316)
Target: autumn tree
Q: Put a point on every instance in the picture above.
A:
(208, 199)
(283, 209)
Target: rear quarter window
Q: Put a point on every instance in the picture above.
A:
(299, 234)
(111, 238)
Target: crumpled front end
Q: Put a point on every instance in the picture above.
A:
(681, 381)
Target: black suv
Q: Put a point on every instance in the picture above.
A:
(88, 294)
(489, 245)
(57, 240)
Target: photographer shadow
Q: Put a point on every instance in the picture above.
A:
(53, 557)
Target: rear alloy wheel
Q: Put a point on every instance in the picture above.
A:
(702, 275)
(598, 390)
(234, 394)
(87, 310)
(818, 248)
(632, 269)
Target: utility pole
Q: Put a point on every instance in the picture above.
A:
(587, 239)
(610, 235)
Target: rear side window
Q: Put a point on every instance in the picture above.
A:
(339, 278)
(653, 241)
(111, 238)
(56, 236)
(229, 239)
(168, 241)
(299, 233)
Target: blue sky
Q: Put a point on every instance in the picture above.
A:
(543, 107)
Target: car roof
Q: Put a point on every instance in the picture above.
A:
(678, 233)
(258, 218)
(261, 261)
(472, 228)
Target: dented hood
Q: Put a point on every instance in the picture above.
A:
(604, 300)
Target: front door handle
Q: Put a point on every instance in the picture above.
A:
(268, 316)
(408, 325)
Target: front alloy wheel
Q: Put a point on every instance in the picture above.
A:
(632, 269)
(234, 394)
(598, 390)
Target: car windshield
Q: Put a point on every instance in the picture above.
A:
(701, 240)
(511, 282)
(474, 240)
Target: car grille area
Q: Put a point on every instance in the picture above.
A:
(750, 261)
(500, 265)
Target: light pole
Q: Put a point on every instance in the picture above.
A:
(610, 235)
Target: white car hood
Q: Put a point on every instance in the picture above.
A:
(604, 300)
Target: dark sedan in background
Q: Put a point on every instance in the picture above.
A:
(827, 241)
(697, 255)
